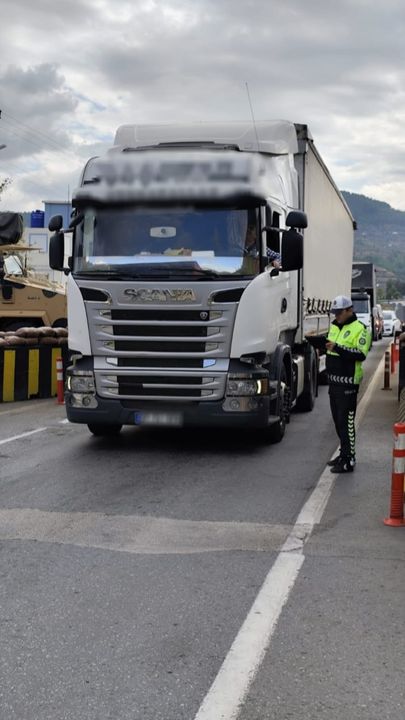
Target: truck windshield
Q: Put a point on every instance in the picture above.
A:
(361, 306)
(162, 241)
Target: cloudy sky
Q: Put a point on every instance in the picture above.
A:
(72, 71)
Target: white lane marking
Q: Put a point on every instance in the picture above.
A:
(23, 435)
(62, 422)
(239, 668)
(230, 687)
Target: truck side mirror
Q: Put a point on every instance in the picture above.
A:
(292, 250)
(57, 251)
(297, 219)
(55, 223)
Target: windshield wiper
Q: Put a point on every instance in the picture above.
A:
(187, 275)
(108, 274)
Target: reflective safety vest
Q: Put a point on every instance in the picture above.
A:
(344, 363)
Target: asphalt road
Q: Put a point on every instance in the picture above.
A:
(128, 566)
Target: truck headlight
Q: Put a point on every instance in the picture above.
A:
(83, 383)
(246, 386)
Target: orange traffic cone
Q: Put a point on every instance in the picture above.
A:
(396, 517)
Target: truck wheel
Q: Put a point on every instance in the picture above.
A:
(104, 429)
(306, 401)
(276, 431)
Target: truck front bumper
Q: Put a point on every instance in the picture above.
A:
(204, 414)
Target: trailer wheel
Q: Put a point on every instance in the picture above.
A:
(104, 429)
(306, 401)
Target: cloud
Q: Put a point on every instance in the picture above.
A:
(78, 70)
(38, 102)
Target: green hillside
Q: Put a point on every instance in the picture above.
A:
(380, 235)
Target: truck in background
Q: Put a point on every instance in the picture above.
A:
(176, 315)
(364, 296)
(26, 298)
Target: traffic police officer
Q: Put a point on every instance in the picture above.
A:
(347, 345)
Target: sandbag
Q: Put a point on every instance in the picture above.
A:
(45, 331)
(27, 332)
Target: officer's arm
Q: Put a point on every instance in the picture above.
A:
(357, 353)
(352, 353)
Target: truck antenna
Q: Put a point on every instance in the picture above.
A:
(253, 117)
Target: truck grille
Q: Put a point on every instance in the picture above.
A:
(155, 385)
(161, 334)
(159, 315)
(154, 352)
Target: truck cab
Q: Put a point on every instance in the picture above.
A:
(362, 308)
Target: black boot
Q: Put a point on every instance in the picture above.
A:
(336, 460)
(345, 465)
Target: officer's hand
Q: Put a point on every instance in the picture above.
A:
(330, 346)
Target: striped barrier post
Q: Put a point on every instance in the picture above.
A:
(401, 377)
(59, 381)
(396, 348)
(387, 370)
(396, 516)
(392, 349)
(30, 372)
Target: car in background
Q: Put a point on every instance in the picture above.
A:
(391, 323)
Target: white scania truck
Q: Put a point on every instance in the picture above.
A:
(176, 315)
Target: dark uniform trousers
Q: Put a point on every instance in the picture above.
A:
(343, 404)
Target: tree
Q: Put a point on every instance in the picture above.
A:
(4, 184)
(380, 295)
(392, 292)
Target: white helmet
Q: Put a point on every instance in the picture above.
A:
(341, 302)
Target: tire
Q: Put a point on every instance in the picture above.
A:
(104, 429)
(306, 401)
(276, 431)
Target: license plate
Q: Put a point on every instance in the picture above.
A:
(159, 419)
